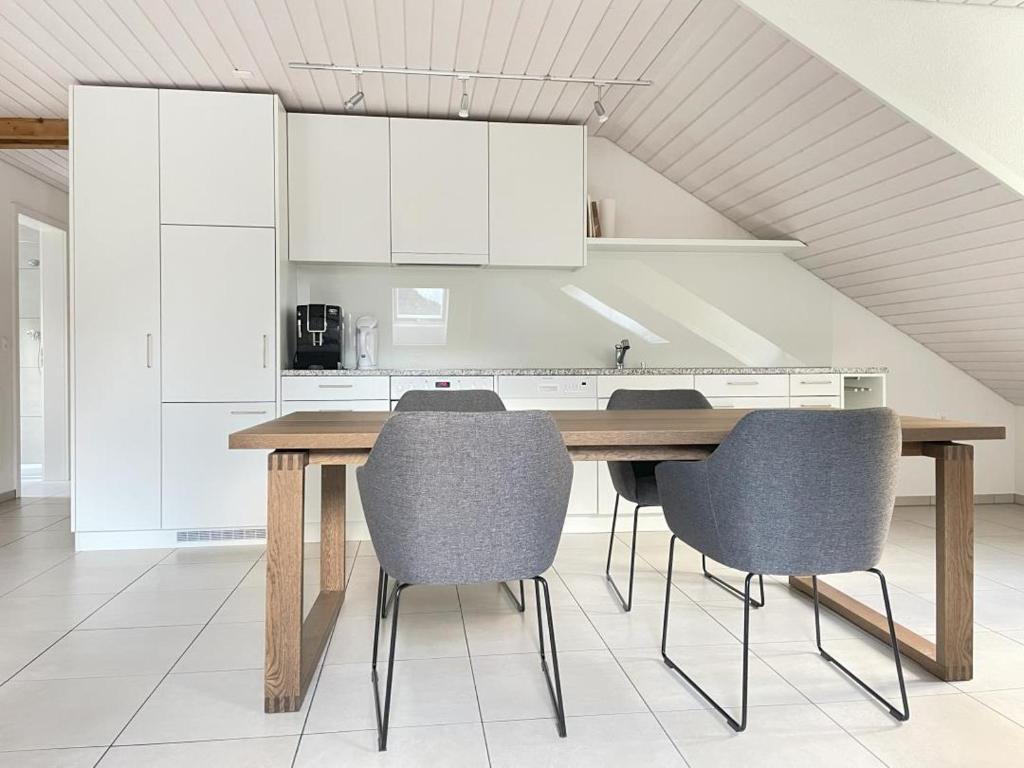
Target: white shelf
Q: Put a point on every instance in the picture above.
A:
(688, 245)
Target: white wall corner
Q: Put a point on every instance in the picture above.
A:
(646, 203)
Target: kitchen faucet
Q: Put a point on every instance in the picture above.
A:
(620, 353)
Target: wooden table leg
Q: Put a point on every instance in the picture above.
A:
(293, 645)
(954, 559)
(282, 684)
(951, 657)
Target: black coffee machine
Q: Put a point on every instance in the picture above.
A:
(318, 337)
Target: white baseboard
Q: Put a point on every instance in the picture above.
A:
(980, 498)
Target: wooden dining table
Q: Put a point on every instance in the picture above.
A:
(335, 440)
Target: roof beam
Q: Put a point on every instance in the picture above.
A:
(33, 133)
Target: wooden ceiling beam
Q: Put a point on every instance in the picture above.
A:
(33, 133)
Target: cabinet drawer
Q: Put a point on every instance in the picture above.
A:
(742, 385)
(608, 384)
(334, 388)
(749, 402)
(814, 402)
(547, 387)
(206, 485)
(824, 384)
(293, 406)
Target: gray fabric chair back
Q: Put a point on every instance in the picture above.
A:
(454, 498)
(790, 492)
(463, 401)
(626, 475)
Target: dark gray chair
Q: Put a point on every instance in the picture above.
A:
(461, 401)
(635, 481)
(455, 498)
(791, 493)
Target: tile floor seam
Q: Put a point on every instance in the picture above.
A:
(176, 662)
(472, 675)
(1003, 715)
(84, 619)
(618, 663)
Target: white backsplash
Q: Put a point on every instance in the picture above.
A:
(692, 309)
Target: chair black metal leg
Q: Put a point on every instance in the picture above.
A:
(901, 716)
(386, 605)
(554, 689)
(741, 724)
(520, 604)
(627, 602)
(729, 587)
(384, 714)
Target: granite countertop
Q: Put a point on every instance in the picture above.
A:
(582, 371)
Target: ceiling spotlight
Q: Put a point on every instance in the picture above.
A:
(353, 101)
(599, 110)
(242, 74)
(464, 102)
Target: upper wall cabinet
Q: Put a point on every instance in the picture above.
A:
(537, 216)
(339, 189)
(217, 158)
(439, 192)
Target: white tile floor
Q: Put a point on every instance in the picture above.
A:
(155, 658)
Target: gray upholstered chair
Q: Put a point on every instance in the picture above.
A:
(792, 493)
(455, 498)
(635, 481)
(461, 401)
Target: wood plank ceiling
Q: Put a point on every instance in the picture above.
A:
(739, 115)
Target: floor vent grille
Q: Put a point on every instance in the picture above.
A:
(222, 534)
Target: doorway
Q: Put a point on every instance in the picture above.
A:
(44, 425)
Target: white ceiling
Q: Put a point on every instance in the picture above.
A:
(739, 115)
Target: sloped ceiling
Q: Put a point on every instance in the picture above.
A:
(739, 116)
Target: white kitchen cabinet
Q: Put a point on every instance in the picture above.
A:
(116, 308)
(339, 189)
(439, 183)
(742, 385)
(217, 156)
(815, 384)
(219, 321)
(206, 485)
(537, 195)
(749, 402)
(814, 401)
(353, 502)
(335, 388)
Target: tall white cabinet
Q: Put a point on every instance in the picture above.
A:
(175, 307)
(115, 208)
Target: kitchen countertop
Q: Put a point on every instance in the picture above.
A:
(583, 371)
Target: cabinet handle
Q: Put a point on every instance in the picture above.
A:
(815, 381)
(149, 350)
(248, 413)
(264, 350)
(335, 386)
(742, 383)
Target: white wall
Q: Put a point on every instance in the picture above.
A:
(955, 69)
(18, 192)
(646, 203)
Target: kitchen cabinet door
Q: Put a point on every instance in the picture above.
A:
(206, 485)
(583, 496)
(537, 195)
(218, 314)
(353, 502)
(116, 308)
(217, 157)
(439, 192)
(339, 189)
